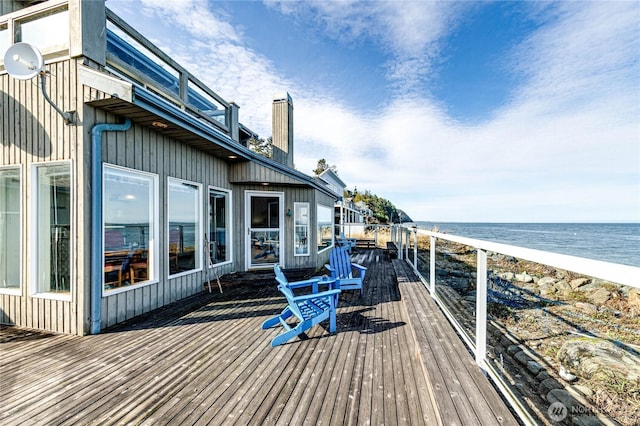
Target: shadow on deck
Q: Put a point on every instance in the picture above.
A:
(207, 361)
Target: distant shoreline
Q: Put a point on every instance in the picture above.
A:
(609, 242)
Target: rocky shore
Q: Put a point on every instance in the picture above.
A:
(561, 340)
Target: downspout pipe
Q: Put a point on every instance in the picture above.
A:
(96, 218)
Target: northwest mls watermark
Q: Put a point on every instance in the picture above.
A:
(557, 411)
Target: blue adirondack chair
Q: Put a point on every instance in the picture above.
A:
(308, 309)
(345, 243)
(342, 270)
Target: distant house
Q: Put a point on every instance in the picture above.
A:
(348, 216)
(126, 208)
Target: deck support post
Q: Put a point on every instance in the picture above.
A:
(481, 310)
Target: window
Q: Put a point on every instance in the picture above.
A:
(301, 228)
(185, 233)
(130, 227)
(325, 227)
(219, 221)
(49, 32)
(52, 228)
(5, 42)
(10, 229)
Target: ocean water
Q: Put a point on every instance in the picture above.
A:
(609, 242)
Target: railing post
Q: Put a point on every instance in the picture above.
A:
(415, 249)
(432, 266)
(400, 248)
(407, 234)
(375, 234)
(481, 309)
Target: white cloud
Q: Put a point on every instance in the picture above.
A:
(566, 147)
(410, 33)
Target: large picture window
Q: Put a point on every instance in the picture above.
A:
(129, 227)
(219, 221)
(325, 227)
(10, 229)
(301, 228)
(52, 236)
(185, 234)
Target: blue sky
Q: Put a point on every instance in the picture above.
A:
(454, 111)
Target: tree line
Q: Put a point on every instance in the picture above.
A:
(382, 209)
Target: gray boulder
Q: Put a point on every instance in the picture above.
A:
(600, 296)
(579, 282)
(587, 308)
(507, 276)
(594, 358)
(524, 278)
(547, 281)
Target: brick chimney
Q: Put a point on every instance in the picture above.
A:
(282, 128)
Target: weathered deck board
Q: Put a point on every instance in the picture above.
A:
(462, 393)
(207, 361)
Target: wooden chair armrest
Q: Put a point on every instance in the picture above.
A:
(316, 295)
(360, 267)
(305, 283)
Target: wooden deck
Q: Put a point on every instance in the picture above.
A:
(207, 361)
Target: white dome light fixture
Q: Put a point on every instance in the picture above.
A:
(23, 62)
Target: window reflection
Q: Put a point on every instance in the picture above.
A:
(53, 212)
(325, 227)
(129, 227)
(218, 226)
(265, 247)
(10, 226)
(301, 231)
(184, 226)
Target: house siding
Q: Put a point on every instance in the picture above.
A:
(33, 132)
(147, 150)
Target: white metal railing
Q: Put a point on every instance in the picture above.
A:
(402, 235)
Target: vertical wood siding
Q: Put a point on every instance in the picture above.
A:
(31, 132)
(147, 150)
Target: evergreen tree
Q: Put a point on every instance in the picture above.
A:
(322, 166)
(262, 147)
(383, 210)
